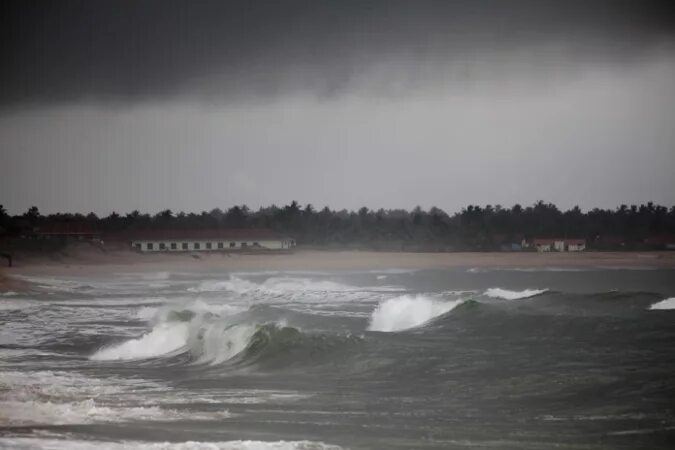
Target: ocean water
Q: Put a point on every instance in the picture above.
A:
(431, 359)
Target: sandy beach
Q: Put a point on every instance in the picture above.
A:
(85, 261)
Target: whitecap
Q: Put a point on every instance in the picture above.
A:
(513, 295)
(668, 303)
(402, 313)
(164, 338)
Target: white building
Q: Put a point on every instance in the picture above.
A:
(543, 245)
(209, 241)
(575, 245)
(559, 245)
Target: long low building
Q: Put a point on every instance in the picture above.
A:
(215, 240)
(559, 245)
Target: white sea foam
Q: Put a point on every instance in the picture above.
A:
(668, 303)
(56, 398)
(513, 295)
(66, 398)
(207, 333)
(164, 338)
(281, 285)
(405, 312)
(10, 304)
(69, 444)
(198, 307)
(147, 313)
(275, 285)
(76, 412)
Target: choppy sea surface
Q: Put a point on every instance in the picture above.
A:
(468, 358)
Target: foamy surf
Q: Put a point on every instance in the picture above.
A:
(668, 303)
(164, 338)
(275, 285)
(291, 359)
(402, 313)
(65, 398)
(58, 444)
(280, 286)
(513, 295)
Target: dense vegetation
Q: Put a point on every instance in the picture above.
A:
(473, 228)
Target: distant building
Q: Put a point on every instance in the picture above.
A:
(215, 240)
(559, 245)
(543, 245)
(570, 245)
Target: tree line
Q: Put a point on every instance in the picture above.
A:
(473, 228)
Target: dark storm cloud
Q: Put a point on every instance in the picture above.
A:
(65, 51)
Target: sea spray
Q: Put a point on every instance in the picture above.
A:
(405, 312)
(668, 303)
(164, 338)
(513, 295)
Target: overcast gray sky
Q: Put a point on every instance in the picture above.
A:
(194, 105)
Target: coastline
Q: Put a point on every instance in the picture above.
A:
(83, 262)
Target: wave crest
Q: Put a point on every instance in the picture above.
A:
(164, 338)
(668, 303)
(402, 313)
(208, 338)
(513, 295)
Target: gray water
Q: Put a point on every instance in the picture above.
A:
(468, 358)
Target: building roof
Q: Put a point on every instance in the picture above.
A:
(196, 234)
(540, 241)
(551, 241)
(574, 241)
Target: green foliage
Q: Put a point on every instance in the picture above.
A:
(473, 228)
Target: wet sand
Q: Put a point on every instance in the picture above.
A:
(91, 261)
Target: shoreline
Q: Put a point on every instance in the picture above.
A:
(81, 262)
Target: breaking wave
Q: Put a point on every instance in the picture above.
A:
(402, 313)
(164, 338)
(209, 338)
(668, 303)
(513, 295)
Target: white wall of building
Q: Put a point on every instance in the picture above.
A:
(217, 245)
(559, 246)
